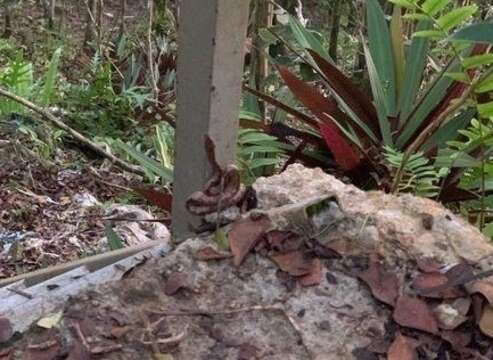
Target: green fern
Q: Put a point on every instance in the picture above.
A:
(419, 176)
(257, 153)
(16, 77)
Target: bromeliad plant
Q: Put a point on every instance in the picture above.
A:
(406, 112)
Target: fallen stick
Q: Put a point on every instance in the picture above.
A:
(75, 134)
(92, 263)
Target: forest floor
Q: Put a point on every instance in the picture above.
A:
(46, 212)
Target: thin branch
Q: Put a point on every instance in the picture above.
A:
(74, 133)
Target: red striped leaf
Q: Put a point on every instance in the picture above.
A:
(344, 154)
(309, 95)
(349, 92)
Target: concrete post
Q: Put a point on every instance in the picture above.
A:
(211, 41)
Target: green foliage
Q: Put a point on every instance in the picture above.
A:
(114, 241)
(48, 89)
(17, 77)
(476, 33)
(97, 106)
(154, 170)
(258, 154)
(445, 18)
(407, 96)
(420, 177)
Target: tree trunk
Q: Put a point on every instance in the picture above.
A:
(51, 14)
(100, 21)
(7, 32)
(90, 21)
(123, 6)
(334, 31)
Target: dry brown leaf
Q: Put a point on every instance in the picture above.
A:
(383, 285)
(283, 241)
(427, 281)
(120, 331)
(315, 276)
(248, 352)
(458, 339)
(6, 330)
(429, 265)
(245, 234)
(49, 350)
(79, 352)
(5, 354)
(483, 287)
(403, 348)
(209, 253)
(295, 263)
(175, 282)
(478, 302)
(50, 321)
(415, 313)
(486, 321)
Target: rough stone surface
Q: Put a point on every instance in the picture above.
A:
(401, 227)
(221, 309)
(136, 232)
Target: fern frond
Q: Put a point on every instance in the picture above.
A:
(419, 176)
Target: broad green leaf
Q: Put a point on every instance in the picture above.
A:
(415, 17)
(50, 78)
(431, 98)
(416, 62)
(307, 40)
(146, 162)
(221, 239)
(250, 103)
(451, 158)
(485, 85)
(255, 137)
(449, 131)
(259, 149)
(458, 76)
(478, 33)
(261, 162)
(433, 7)
(267, 37)
(477, 60)
(488, 230)
(456, 17)
(397, 35)
(379, 96)
(250, 115)
(486, 109)
(380, 45)
(432, 34)
(404, 3)
(114, 241)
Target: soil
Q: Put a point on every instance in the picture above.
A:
(43, 218)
